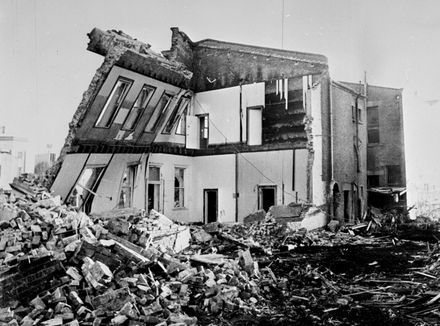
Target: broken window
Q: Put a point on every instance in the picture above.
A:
(393, 175)
(179, 189)
(138, 107)
(84, 191)
(127, 187)
(154, 188)
(181, 126)
(174, 117)
(114, 102)
(158, 112)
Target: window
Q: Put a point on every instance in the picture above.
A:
(373, 181)
(393, 175)
(127, 187)
(179, 189)
(138, 107)
(353, 113)
(181, 126)
(204, 130)
(373, 136)
(373, 117)
(154, 188)
(83, 193)
(158, 112)
(183, 102)
(373, 125)
(359, 112)
(114, 102)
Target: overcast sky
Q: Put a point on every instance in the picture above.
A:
(45, 66)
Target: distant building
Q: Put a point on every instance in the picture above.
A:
(43, 162)
(13, 158)
(386, 147)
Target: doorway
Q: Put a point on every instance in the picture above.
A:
(154, 189)
(346, 205)
(210, 205)
(266, 197)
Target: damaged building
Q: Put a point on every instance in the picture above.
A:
(213, 131)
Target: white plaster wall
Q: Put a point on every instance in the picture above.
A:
(215, 172)
(222, 105)
(252, 95)
(276, 166)
(301, 158)
(68, 174)
(318, 185)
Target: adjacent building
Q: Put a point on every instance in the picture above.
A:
(386, 150)
(213, 131)
(13, 158)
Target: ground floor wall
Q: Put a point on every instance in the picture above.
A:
(236, 184)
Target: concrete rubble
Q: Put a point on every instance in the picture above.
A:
(125, 267)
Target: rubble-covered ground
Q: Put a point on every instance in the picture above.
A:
(59, 266)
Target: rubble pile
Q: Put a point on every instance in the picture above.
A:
(125, 267)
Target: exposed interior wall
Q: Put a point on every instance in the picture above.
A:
(281, 123)
(215, 173)
(68, 174)
(270, 168)
(223, 107)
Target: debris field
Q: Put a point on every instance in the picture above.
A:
(125, 267)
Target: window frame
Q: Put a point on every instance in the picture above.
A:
(94, 187)
(180, 188)
(141, 111)
(160, 117)
(183, 121)
(177, 112)
(101, 114)
(133, 168)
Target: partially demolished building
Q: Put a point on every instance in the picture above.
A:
(212, 131)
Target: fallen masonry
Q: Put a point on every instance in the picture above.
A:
(126, 267)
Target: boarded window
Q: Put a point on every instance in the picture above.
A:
(179, 188)
(114, 102)
(393, 175)
(127, 187)
(373, 136)
(158, 112)
(138, 107)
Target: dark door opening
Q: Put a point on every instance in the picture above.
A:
(210, 205)
(346, 205)
(266, 197)
(153, 197)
